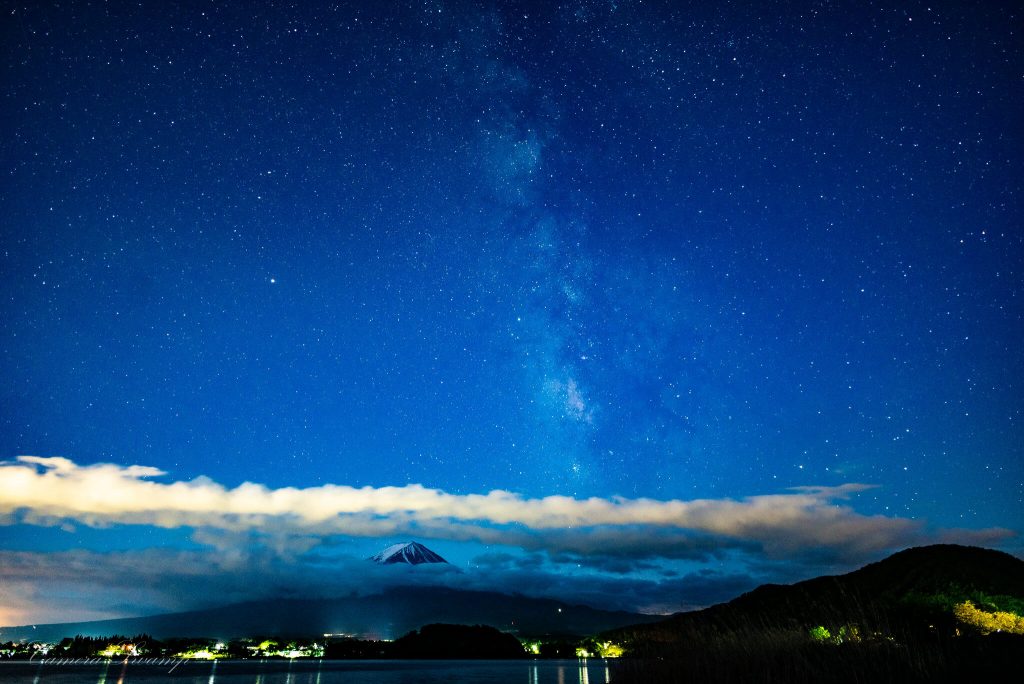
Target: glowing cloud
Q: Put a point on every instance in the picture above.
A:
(52, 491)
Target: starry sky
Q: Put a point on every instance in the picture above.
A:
(638, 304)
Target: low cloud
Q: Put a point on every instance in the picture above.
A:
(56, 491)
(61, 586)
(258, 542)
(87, 585)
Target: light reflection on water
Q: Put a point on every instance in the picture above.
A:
(591, 671)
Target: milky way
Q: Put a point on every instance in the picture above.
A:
(658, 251)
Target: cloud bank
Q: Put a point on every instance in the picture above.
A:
(55, 491)
(87, 585)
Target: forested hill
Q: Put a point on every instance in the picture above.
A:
(923, 583)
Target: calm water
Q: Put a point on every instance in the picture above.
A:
(594, 671)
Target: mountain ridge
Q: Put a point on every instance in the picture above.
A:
(387, 614)
(890, 592)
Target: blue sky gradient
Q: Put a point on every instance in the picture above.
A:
(661, 250)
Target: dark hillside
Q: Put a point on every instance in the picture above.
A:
(877, 595)
(388, 614)
(889, 621)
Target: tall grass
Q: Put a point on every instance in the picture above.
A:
(764, 650)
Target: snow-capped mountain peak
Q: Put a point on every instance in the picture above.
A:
(412, 553)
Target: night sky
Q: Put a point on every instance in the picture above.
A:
(707, 294)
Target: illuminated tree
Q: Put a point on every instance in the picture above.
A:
(820, 634)
(986, 622)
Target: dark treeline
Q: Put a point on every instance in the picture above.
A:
(441, 641)
(144, 646)
(434, 641)
(81, 647)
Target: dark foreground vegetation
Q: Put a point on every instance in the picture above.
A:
(932, 614)
(778, 656)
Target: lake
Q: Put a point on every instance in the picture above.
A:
(592, 671)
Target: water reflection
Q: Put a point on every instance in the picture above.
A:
(103, 673)
(590, 671)
(586, 667)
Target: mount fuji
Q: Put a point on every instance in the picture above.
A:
(412, 553)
